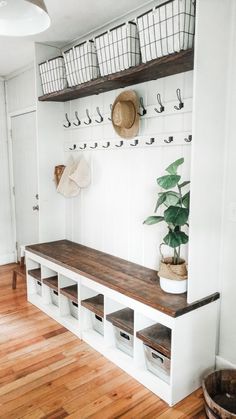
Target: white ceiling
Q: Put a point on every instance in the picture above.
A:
(70, 19)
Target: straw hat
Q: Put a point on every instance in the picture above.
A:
(125, 117)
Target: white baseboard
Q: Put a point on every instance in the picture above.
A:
(222, 363)
(8, 258)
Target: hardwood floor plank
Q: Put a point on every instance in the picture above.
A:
(48, 373)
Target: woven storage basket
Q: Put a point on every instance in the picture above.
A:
(53, 75)
(166, 29)
(170, 271)
(118, 48)
(81, 63)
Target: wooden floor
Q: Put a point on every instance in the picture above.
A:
(47, 372)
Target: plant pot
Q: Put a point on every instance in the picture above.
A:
(173, 278)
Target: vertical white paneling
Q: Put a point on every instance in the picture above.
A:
(227, 342)
(109, 214)
(211, 63)
(21, 92)
(6, 229)
(50, 153)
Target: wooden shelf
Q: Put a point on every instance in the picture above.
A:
(51, 282)
(70, 292)
(124, 319)
(152, 70)
(158, 337)
(35, 273)
(95, 304)
(133, 280)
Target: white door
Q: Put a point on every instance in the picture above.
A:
(24, 156)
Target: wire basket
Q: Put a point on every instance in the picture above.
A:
(81, 63)
(53, 75)
(166, 29)
(118, 48)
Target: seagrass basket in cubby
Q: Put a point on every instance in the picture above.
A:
(81, 63)
(118, 48)
(53, 75)
(166, 29)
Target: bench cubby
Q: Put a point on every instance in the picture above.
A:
(112, 289)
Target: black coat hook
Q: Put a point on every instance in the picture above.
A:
(120, 145)
(152, 140)
(77, 124)
(69, 123)
(89, 119)
(107, 145)
(109, 119)
(162, 108)
(73, 148)
(189, 139)
(181, 104)
(144, 111)
(95, 145)
(170, 139)
(99, 113)
(84, 146)
(135, 143)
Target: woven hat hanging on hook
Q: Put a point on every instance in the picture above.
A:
(125, 114)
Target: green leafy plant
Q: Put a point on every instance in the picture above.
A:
(176, 209)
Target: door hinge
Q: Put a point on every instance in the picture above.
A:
(13, 190)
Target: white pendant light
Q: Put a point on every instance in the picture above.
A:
(23, 17)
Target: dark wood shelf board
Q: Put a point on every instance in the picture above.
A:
(51, 282)
(158, 337)
(70, 292)
(95, 304)
(130, 279)
(35, 273)
(124, 319)
(152, 70)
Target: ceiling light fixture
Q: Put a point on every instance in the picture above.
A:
(23, 17)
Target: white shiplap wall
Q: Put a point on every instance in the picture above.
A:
(6, 230)
(227, 341)
(21, 90)
(109, 214)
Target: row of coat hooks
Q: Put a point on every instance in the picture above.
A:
(99, 119)
(136, 142)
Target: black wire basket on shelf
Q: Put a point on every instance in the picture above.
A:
(53, 75)
(81, 63)
(118, 48)
(166, 29)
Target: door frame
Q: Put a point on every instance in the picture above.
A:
(11, 115)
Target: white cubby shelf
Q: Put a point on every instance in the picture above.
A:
(191, 329)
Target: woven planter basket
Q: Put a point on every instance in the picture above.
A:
(170, 271)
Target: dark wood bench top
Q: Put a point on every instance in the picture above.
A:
(35, 273)
(124, 319)
(130, 279)
(95, 304)
(51, 282)
(70, 292)
(158, 337)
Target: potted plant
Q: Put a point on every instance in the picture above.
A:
(175, 214)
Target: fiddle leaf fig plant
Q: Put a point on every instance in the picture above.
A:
(175, 213)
